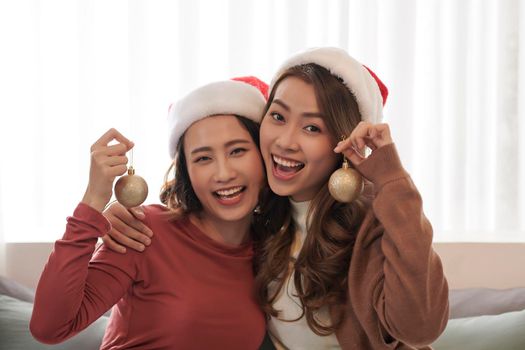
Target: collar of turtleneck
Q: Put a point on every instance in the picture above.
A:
(300, 209)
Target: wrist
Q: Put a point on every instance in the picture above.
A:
(94, 202)
(382, 165)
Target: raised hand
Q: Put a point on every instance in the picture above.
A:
(364, 135)
(107, 162)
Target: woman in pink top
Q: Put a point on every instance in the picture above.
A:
(193, 288)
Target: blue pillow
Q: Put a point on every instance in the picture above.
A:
(15, 335)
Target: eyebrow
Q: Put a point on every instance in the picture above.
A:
(306, 114)
(227, 144)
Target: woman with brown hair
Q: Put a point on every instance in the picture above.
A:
(358, 275)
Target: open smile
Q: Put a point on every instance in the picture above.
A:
(229, 196)
(285, 168)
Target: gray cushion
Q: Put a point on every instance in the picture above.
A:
(503, 332)
(16, 290)
(15, 335)
(484, 301)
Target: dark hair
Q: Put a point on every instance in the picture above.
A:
(177, 193)
(321, 269)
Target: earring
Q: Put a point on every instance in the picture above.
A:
(345, 184)
(257, 209)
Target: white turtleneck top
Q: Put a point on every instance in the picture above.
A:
(297, 334)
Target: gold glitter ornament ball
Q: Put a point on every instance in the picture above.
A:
(345, 184)
(131, 190)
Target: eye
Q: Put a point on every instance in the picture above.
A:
(202, 159)
(312, 128)
(238, 151)
(277, 117)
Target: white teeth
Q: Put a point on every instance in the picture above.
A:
(286, 163)
(229, 192)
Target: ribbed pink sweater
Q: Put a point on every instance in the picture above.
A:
(185, 291)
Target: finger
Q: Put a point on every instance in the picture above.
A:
(352, 152)
(137, 223)
(138, 212)
(117, 170)
(356, 147)
(113, 134)
(126, 241)
(382, 136)
(105, 138)
(116, 149)
(113, 245)
(352, 140)
(117, 212)
(348, 148)
(116, 135)
(360, 143)
(343, 145)
(371, 143)
(386, 136)
(358, 135)
(119, 149)
(122, 139)
(354, 157)
(134, 229)
(116, 160)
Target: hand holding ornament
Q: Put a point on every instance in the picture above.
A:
(107, 162)
(364, 135)
(346, 184)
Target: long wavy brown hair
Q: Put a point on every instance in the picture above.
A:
(177, 191)
(321, 269)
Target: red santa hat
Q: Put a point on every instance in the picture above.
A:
(243, 96)
(368, 90)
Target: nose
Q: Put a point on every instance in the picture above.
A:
(285, 139)
(225, 172)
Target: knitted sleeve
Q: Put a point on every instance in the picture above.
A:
(410, 294)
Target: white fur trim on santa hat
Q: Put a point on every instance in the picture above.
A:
(354, 75)
(222, 97)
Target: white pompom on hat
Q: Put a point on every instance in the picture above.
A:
(243, 96)
(368, 90)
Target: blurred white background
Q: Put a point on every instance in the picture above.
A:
(71, 69)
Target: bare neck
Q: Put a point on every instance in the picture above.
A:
(228, 232)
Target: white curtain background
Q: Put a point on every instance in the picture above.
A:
(69, 70)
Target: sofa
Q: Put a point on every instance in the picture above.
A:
(485, 319)
(16, 306)
(480, 319)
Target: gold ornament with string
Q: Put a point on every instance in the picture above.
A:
(131, 190)
(345, 184)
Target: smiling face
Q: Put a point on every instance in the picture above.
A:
(296, 144)
(224, 167)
